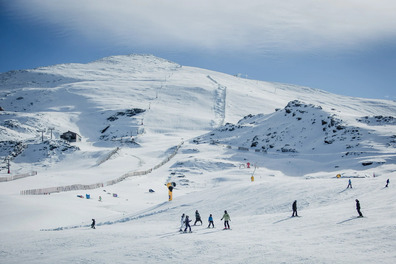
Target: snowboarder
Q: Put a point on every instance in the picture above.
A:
(187, 224)
(181, 223)
(349, 184)
(226, 218)
(197, 218)
(93, 224)
(387, 182)
(358, 208)
(294, 207)
(210, 221)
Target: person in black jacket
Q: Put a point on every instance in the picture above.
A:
(187, 223)
(294, 207)
(358, 208)
(387, 183)
(197, 218)
(93, 224)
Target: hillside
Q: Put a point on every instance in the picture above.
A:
(199, 129)
(307, 132)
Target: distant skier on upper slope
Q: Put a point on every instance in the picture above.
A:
(349, 184)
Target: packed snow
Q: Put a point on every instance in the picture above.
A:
(228, 143)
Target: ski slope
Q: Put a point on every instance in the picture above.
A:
(132, 111)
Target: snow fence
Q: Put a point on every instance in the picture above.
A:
(16, 177)
(76, 187)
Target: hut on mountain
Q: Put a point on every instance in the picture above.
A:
(71, 136)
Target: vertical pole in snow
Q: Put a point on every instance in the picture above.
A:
(252, 177)
(8, 165)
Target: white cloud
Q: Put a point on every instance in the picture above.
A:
(233, 25)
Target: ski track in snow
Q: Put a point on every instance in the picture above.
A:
(220, 103)
(149, 212)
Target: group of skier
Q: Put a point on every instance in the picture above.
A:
(294, 205)
(185, 221)
(350, 184)
(294, 208)
(357, 201)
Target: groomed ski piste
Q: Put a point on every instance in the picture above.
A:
(133, 111)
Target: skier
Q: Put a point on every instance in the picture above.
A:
(187, 224)
(197, 218)
(93, 224)
(210, 221)
(387, 182)
(358, 208)
(181, 223)
(349, 184)
(294, 207)
(226, 218)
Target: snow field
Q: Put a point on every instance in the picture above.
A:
(144, 226)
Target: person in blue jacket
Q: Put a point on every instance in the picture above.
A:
(349, 184)
(210, 221)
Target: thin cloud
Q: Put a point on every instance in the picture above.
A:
(233, 25)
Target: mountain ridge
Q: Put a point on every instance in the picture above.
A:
(169, 97)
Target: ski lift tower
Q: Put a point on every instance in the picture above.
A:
(51, 129)
(42, 133)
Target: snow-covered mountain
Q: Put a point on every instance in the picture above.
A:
(145, 121)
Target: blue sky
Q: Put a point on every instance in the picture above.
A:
(345, 47)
